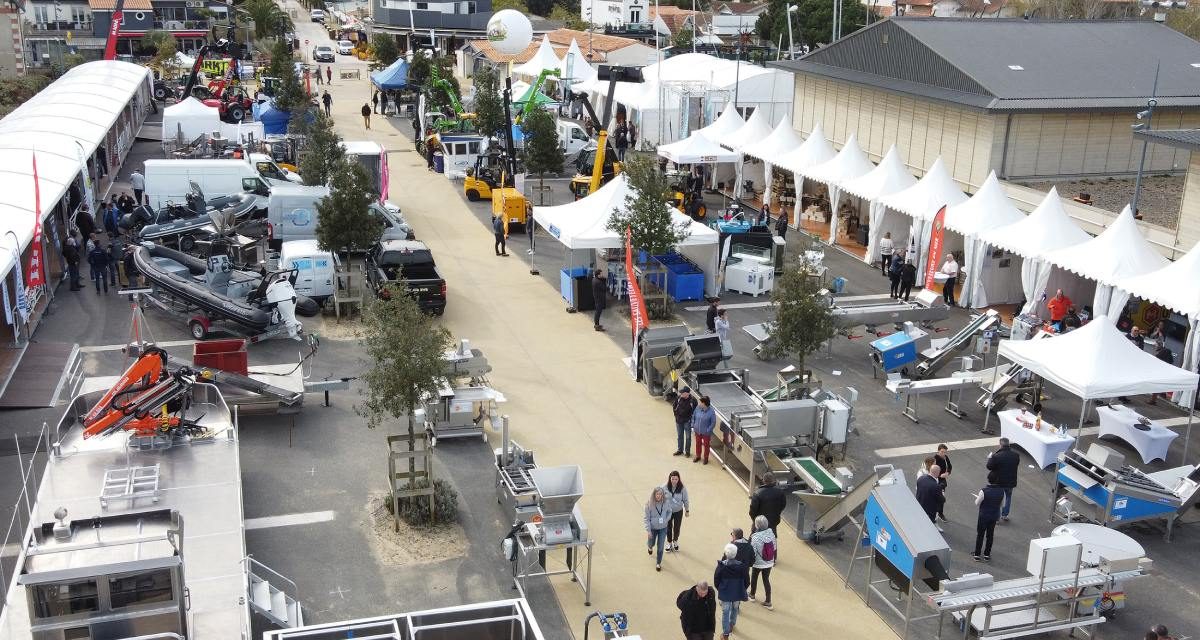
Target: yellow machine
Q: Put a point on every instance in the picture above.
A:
(485, 176)
(512, 205)
(596, 167)
(507, 200)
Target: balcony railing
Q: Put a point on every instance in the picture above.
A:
(60, 27)
(630, 28)
(183, 25)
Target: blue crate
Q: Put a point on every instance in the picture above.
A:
(566, 282)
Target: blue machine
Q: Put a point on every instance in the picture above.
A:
(899, 349)
(901, 534)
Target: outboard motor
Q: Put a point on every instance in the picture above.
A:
(281, 296)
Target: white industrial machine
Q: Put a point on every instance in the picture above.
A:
(751, 270)
(558, 525)
(465, 398)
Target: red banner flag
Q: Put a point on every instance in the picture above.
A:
(637, 306)
(34, 275)
(936, 234)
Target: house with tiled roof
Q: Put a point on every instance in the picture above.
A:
(731, 18)
(596, 47)
(85, 24)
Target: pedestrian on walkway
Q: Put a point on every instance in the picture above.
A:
(895, 269)
(599, 297)
(1005, 462)
(730, 580)
(763, 541)
(697, 612)
(886, 248)
(908, 278)
(781, 226)
(86, 224)
(318, 75)
(704, 420)
(929, 494)
(70, 253)
(768, 500)
(137, 182)
(115, 248)
(677, 497)
(329, 74)
(500, 233)
(655, 517)
(112, 217)
(98, 261)
(327, 100)
(721, 324)
(988, 500)
(683, 407)
(366, 114)
(710, 315)
(942, 459)
(950, 270)
(375, 101)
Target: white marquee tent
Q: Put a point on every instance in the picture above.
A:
(989, 208)
(697, 148)
(574, 66)
(851, 162)
(191, 117)
(888, 177)
(1119, 252)
(757, 128)
(727, 123)
(1046, 229)
(782, 140)
(543, 59)
(813, 151)
(921, 202)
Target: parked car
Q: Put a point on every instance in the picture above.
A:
(345, 47)
(391, 261)
(317, 15)
(323, 53)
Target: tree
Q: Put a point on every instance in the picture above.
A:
(384, 48)
(418, 68)
(803, 320)
(517, 5)
(570, 19)
(646, 212)
(683, 39)
(542, 153)
(489, 103)
(269, 19)
(322, 153)
(165, 48)
(344, 220)
(812, 24)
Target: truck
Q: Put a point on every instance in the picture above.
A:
(170, 181)
(392, 261)
(572, 137)
(292, 215)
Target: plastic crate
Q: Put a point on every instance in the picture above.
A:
(226, 355)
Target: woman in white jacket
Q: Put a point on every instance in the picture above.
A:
(764, 544)
(677, 497)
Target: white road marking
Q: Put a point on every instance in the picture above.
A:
(290, 519)
(118, 347)
(736, 305)
(9, 550)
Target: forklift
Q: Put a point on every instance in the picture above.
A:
(485, 176)
(688, 196)
(596, 166)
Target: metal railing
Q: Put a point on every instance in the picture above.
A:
(22, 506)
(246, 564)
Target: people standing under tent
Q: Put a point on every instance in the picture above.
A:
(1058, 307)
(375, 101)
(950, 270)
(599, 297)
(886, 248)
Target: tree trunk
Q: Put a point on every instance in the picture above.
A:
(412, 438)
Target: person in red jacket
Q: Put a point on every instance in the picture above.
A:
(1058, 306)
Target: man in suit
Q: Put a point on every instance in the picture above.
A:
(929, 494)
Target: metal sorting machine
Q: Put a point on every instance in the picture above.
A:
(465, 398)
(558, 525)
(833, 499)
(913, 345)
(514, 486)
(496, 620)
(924, 309)
(1099, 487)
(1002, 382)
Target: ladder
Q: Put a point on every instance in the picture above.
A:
(271, 601)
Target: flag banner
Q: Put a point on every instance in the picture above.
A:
(637, 306)
(936, 233)
(36, 278)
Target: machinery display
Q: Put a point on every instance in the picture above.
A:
(558, 526)
(596, 167)
(1097, 486)
(465, 399)
(924, 309)
(496, 619)
(514, 486)
(833, 500)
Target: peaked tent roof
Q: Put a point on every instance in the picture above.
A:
(1013, 64)
(851, 162)
(782, 141)
(726, 123)
(545, 58)
(1174, 286)
(582, 224)
(888, 177)
(1098, 361)
(1119, 252)
(395, 76)
(580, 69)
(697, 148)
(757, 129)
(813, 151)
(936, 189)
(989, 208)
(1046, 229)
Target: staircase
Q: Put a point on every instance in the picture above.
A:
(283, 609)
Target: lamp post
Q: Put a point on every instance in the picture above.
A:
(1147, 116)
(791, 43)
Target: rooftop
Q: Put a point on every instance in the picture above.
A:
(1180, 138)
(107, 5)
(740, 8)
(1018, 65)
(560, 41)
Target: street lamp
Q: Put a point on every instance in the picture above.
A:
(791, 44)
(1145, 118)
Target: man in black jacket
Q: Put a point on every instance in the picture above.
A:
(929, 494)
(710, 316)
(769, 500)
(908, 278)
(698, 612)
(1005, 462)
(685, 404)
(599, 296)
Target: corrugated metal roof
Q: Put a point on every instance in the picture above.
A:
(1020, 64)
(1181, 138)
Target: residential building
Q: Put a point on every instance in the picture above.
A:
(451, 23)
(631, 14)
(12, 47)
(81, 26)
(733, 18)
(597, 48)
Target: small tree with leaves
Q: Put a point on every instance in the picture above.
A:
(683, 39)
(542, 153)
(322, 153)
(570, 19)
(384, 48)
(344, 220)
(489, 103)
(803, 320)
(646, 212)
(165, 47)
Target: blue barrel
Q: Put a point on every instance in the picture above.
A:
(439, 162)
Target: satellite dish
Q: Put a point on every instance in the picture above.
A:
(509, 31)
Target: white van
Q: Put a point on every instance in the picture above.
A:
(169, 181)
(314, 268)
(572, 138)
(373, 158)
(292, 215)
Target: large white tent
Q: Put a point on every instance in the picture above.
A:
(888, 177)
(1119, 252)
(543, 59)
(697, 148)
(756, 129)
(728, 122)
(190, 117)
(1046, 229)
(851, 162)
(989, 208)
(921, 202)
(813, 151)
(782, 140)
(574, 67)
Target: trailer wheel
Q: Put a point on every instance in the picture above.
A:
(187, 243)
(197, 328)
(472, 195)
(237, 113)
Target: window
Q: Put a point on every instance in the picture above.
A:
(635, 16)
(473, 148)
(422, 6)
(143, 588)
(81, 14)
(54, 600)
(41, 14)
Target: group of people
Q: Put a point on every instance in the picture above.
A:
(901, 269)
(328, 71)
(994, 498)
(105, 262)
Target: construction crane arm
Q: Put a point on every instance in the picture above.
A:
(114, 31)
(145, 389)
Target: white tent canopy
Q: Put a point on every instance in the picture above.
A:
(545, 58)
(756, 129)
(888, 177)
(574, 66)
(781, 141)
(935, 189)
(728, 122)
(1119, 252)
(989, 208)
(851, 162)
(697, 148)
(192, 117)
(813, 151)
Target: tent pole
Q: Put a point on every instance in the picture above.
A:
(1187, 435)
(1082, 413)
(987, 409)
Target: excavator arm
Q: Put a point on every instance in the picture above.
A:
(147, 399)
(531, 104)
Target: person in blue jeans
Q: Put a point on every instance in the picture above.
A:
(656, 517)
(1005, 463)
(731, 581)
(684, 405)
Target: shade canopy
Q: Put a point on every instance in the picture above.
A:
(191, 117)
(1046, 229)
(395, 76)
(728, 122)
(1098, 361)
(851, 162)
(888, 177)
(1175, 286)
(813, 151)
(543, 59)
(782, 141)
(936, 189)
(756, 129)
(273, 120)
(539, 99)
(989, 208)
(1119, 252)
(574, 66)
(583, 224)
(697, 148)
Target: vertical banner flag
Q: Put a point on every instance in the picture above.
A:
(637, 306)
(35, 246)
(936, 233)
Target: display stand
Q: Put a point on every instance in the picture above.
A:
(531, 556)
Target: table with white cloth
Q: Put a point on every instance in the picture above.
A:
(1043, 446)
(1121, 422)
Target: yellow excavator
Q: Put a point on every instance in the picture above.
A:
(595, 167)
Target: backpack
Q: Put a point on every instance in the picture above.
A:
(768, 551)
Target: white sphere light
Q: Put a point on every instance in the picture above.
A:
(509, 31)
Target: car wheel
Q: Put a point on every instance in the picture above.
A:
(472, 195)
(160, 93)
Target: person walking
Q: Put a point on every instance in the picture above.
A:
(622, 139)
(763, 541)
(704, 421)
(887, 247)
(988, 500)
(329, 74)
(375, 101)
(137, 182)
(730, 580)
(697, 612)
(656, 516)
(318, 75)
(500, 234)
(1005, 462)
(366, 114)
(70, 253)
(599, 297)
(683, 407)
(327, 100)
(781, 226)
(908, 278)
(98, 261)
(929, 494)
(112, 218)
(677, 498)
(950, 270)
(768, 500)
(721, 324)
(115, 248)
(942, 459)
(131, 271)
(710, 315)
